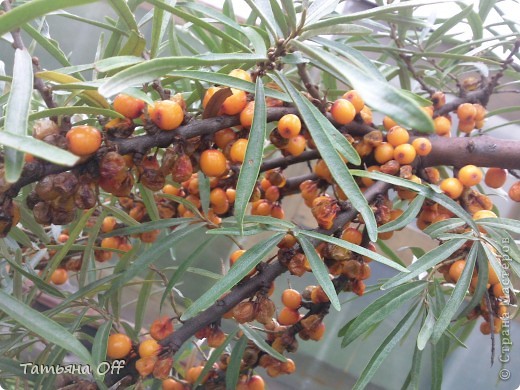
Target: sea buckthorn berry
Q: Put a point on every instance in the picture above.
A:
(466, 112)
(234, 104)
(244, 312)
(352, 235)
(265, 184)
(288, 316)
(161, 328)
(166, 114)
(466, 126)
(492, 275)
(193, 373)
(318, 295)
(149, 348)
(150, 236)
(296, 145)
(246, 116)
(317, 332)
(213, 163)
(224, 137)
(261, 207)
(438, 99)
(62, 238)
(384, 153)
(514, 192)
(145, 366)
(366, 115)
(355, 98)
(456, 270)
(404, 154)
(452, 187)
(119, 346)
(442, 125)
(171, 190)
(422, 146)
(172, 384)
(485, 328)
(125, 247)
(292, 299)
(241, 74)
(498, 290)
(128, 106)
(238, 150)
(110, 242)
(162, 368)
(388, 123)
(83, 140)
(59, 276)
(495, 177)
(484, 214)
(367, 182)
(231, 195)
(289, 126)
(470, 175)
(277, 211)
(272, 193)
(343, 111)
(397, 136)
(324, 209)
(109, 223)
(255, 383)
(322, 171)
(208, 95)
(216, 338)
(480, 112)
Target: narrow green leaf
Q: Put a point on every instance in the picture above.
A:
(121, 215)
(38, 149)
(142, 301)
(342, 29)
(512, 225)
(99, 347)
(233, 369)
(414, 376)
(315, 122)
(204, 191)
(457, 296)
(116, 62)
(481, 286)
(379, 95)
(186, 203)
(18, 106)
(159, 26)
(147, 71)
(425, 262)
(229, 81)
(72, 110)
(320, 271)
(215, 355)
(50, 45)
(125, 13)
(441, 31)
(426, 330)
(390, 253)
(261, 219)
(261, 343)
(265, 12)
(438, 353)
(42, 326)
(386, 347)
(249, 260)
(319, 9)
(134, 45)
(183, 267)
(355, 248)
(158, 248)
(255, 146)
(438, 228)
(380, 309)
(29, 11)
(290, 12)
(147, 226)
(409, 214)
(149, 202)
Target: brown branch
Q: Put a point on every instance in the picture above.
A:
(307, 82)
(262, 280)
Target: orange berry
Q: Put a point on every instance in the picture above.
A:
(241, 74)
(466, 126)
(438, 99)
(366, 115)
(288, 316)
(109, 223)
(150, 236)
(498, 290)
(484, 214)
(234, 104)
(492, 275)
(495, 177)
(388, 123)
(59, 276)
(384, 153)
(83, 140)
(272, 193)
(352, 235)
(354, 98)
(397, 136)
(343, 111)
(292, 299)
(145, 366)
(208, 95)
(238, 150)
(224, 137)
(213, 163)
(255, 383)
(470, 175)
(161, 328)
(481, 112)
(231, 195)
(514, 192)
(119, 346)
(466, 112)
(110, 242)
(171, 190)
(452, 187)
(456, 269)
(422, 146)
(404, 154)
(322, 171)
(128, 106)
(62, 238)
(149, 348)
(166, 114)
(172, 384)
(246, 116)
(125, 247)
(442, 125)
(296, 145)
(485, 328)
(193, 373)
(289, 126)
